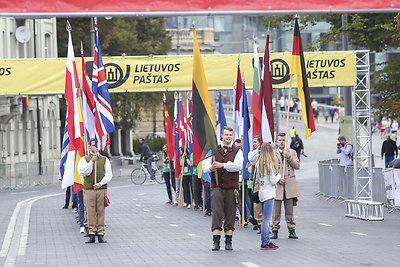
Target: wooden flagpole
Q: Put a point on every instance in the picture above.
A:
(287, 127)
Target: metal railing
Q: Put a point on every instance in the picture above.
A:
(337, 182)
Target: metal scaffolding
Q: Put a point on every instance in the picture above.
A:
(362, 207)
(362, 138)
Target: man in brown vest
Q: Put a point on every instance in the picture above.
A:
(227, 164)
(97, 172)
(287, 190)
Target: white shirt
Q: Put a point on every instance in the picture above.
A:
(85, 169)
(267, 182)
(230, 166)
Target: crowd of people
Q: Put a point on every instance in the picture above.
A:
(272, 182)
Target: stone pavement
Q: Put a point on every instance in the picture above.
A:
(143, 231)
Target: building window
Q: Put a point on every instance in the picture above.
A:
(47, 45)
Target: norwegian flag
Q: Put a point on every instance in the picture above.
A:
(189, 123)
(88, 103)
(183, 127)
(104, 121)
(176, 130)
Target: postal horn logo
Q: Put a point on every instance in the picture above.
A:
(280, 71)
(114, 73)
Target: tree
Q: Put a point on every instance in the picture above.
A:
(387, 87)
(376, 32)
(122, 36)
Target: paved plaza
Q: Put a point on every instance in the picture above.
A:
(143, 231)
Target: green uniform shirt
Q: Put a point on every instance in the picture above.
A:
(166, 166)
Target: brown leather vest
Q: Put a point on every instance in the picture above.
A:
(226, 180)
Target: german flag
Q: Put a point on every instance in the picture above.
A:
(204, 137)
(299, 69)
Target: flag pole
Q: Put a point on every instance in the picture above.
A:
(169, 160)
(242, 138)
(182, 161)
(287, 127)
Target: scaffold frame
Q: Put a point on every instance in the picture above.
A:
(362, 136)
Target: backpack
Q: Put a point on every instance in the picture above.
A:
(351, 151)
(296, 144)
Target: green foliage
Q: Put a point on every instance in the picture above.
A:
(286, 22)
(337, 101)
(373, 31)
(386, 85)
(118, 36)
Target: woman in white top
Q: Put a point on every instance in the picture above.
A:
(267, 175)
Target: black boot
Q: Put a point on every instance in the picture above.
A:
(228, 242)
(274, 234)
(91, 239)
(216, 239)
(292, 234)
(100, 238)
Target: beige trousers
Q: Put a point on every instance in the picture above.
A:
(276, 214)
(94, 201)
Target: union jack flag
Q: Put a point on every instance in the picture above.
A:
(103, 115)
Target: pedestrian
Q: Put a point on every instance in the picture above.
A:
(187, 178)
(345, 149)
(287, 190)
(282, 103)
(292, 132)
(68, 193)
(247, 201)
(257, 209)
(206, 180)
(382, 126)
(227, 164)
(267, 175)
(168, 173)
(96, 170)
(389, 150)
(197, 186)
(147, 156)
(332, 113)
(297, 145)
(395, 128)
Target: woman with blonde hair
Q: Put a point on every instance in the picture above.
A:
(266, 173)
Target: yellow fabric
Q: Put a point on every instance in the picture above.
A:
(174, 73)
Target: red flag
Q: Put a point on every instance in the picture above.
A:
(169, 133)
(265, 104)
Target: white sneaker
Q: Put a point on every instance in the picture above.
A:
(82, 230)
(189, 206)
(184, 204)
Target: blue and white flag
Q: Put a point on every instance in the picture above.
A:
(221, 116)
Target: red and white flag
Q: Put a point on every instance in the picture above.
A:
(88, 103)
(265, 104)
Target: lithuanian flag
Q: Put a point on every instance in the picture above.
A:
(299, 69)
(204, 136)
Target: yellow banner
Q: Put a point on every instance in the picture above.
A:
(172, 73)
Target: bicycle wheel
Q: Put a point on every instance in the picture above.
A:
(159, 176)
(138, 176)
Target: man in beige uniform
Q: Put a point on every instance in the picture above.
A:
(287, 190)
(94, 188)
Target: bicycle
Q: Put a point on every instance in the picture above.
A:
(139, 175)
